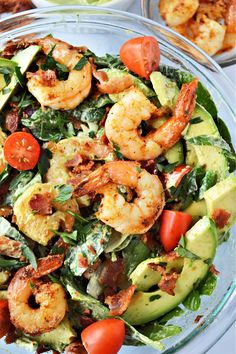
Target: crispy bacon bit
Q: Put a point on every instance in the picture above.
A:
(46, 78)
(82, 261)
(61, 245)
(75, 348)
(91, 249)
(15, 6)
(76, 160)
(197, 319)
(150, 166)
(12, 120)
(10, 248)
(221, 217)
(168, 282)
(6, 211)
(149, 240)
(111, 272)
(119, 303)
(171, 256)
(85, 321)
(85, 167)
(157, 268)
(213, 270)
(41, 204)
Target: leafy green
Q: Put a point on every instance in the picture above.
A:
(208, 285)
(19, 77)
(195, 120)
(51, 64)
(180, 77)
(4, 174)
(223, 237)
(8, 230)
(156, 331)
(174, 313)
(48, 124)
(117, 152)
(183, 252)
(163, 165)
(224, 132)
(97, 236)
(135, 253)
(192, 301)
(109, 61)
(81, 63)
(68, 237)
(25, 101)
(10, 263)
(44, 161)
(65, 193)
(208, 181)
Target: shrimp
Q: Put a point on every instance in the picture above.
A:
(125, 116)
(177, 12)
(68, 149)
(37, 306)
(230, 16)
(135, 217)
(3, 163)
(56, 94)
(38, 226)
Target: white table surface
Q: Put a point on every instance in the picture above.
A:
(227, 344)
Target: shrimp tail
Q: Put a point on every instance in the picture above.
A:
(96, 179)
(186, 101)
(44, 266)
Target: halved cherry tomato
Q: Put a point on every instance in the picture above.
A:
(141, 55)
(5, 323)
(105, 336)
(21, 151)
(174, 178)
(173, 225)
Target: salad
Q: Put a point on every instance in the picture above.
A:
(116, 187)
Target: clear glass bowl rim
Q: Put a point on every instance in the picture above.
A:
(227, 304)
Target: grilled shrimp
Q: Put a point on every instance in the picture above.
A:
(68, 149)
(135, 217)
(49, 306)
(177, 12)
(2, 159)
(125, 116)
(36, 225)
(52, 92)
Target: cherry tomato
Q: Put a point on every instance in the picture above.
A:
(141, 55)
(5, 323)
(105, 336)
(174, 178)
(173, 225)
(21, 151)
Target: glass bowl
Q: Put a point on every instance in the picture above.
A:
(103, 31)
(150, 10)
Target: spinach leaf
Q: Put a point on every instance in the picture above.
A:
(8, 230)
(135, 253)
(224, 132)
(183, 252)
(81, 63)
(48, 124)
(67, 237)
(51, 64)
(117, 152)
(65, 193)
(44, 163)
(10, 263)
(193, 301)
(180, 77)
(92, 110)
(208, 181)
(109, 61)
(4, 174)
(174, 313)
(208, 285)
(80, 257)
(163, 165)
(156, 331)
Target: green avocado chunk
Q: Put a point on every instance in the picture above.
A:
(146, 306)
(23, 59)
(166, 90)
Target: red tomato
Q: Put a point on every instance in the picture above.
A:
(21, 151)
(175, 177)
(141, 55)
(105, 336)
(174, 224)
(5, 323)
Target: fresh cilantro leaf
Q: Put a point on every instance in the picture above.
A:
(51, 64)
(139, 170)
(192, 301)
(117, 152)
(164, 166)
(67, 237)
(44, 161)
(195, 120)
(81, 63)
(65, 193)
(92, 134)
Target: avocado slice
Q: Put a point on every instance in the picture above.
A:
(201, 240)
(222, 196)
(115, 97)
(9, 64)
(166, 90)
(211, 157)
(23, 59)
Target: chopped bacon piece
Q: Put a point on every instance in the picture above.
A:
(119, 303)
(61, 246)
(41, 204)
(85, 321)
(197, 319)
(10, 248)
(82, 261)
(15, 5)
(75, 348)
(111, 273)
(83, 167)
(6, 211)
(171, 256)
(149, 240)
(157, 268)
(221, 217)
(12, 120)
(75, 161)
(213, 270)
(168, 282)
(150, 166)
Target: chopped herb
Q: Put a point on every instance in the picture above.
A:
(139, 170)
(51, 64)
(209, 180)
(192, 301)
(10, 263)
(183, 252)
(117, 151)
(44, 161)
(195, 120)
(65, 193)
(208, 285)
(81, 63)
(92, 134)
(122, 191)
(163, 165)
(154, 297)
(109, 61)
(19, 76)
(54, 279)
(67, 237)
